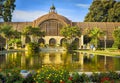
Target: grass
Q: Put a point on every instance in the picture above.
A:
(107, 52)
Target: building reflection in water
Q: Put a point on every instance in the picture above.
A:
(81, 61)
(46, 59)
(23, 61)
(76, 61)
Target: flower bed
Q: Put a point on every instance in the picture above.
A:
(50, 74)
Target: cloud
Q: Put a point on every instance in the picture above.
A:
(23, 16)
(83, 5)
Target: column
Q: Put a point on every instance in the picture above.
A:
(81, 61)
(81, 41)
(58, 59)
(46, 59)
(32, 38)
(58, 41)
(23, 40)
(47, 40)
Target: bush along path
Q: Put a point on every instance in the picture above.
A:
(49, 74)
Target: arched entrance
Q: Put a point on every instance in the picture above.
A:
(27, 39)
(62, 41)
(41, 41)
(76, 42)
(52, 42)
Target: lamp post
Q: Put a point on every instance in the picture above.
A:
(105, 37)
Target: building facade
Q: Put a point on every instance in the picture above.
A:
(52, 22)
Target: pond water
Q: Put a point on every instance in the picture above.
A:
(73, 61)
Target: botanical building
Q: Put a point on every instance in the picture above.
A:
(52, 22)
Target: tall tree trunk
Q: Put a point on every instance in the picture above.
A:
(96, 42)
(6, 44)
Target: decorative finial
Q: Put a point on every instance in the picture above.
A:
(52, 8)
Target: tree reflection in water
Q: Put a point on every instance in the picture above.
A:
(72, 61)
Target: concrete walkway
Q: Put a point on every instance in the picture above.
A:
(11, 50)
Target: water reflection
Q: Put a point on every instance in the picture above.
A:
(74, 61)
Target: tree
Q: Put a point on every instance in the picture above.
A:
(114, 13)
(95, 34)
(15, 38)
(70, 32)
(116, 35)
(6, 31)
(104, 11)
(33, 31)
(6, 9)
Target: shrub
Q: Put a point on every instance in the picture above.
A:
(51, 75)
(33, 46)
(75, 77)
(13, 76)
(95, 77)
(2, 78)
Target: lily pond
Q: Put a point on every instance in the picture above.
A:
(73, 61)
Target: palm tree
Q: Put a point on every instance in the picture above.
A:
(6, 32)
(95, 34)
(70, 32)
(16, 38)
(33, 32)
(116, 36)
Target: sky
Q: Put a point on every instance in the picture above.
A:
(29, 10)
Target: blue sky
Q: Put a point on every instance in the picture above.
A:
(29, 10)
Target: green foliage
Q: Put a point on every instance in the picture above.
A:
(70, 32)
(104, 11)
(68, 46)
(6, 9)
(6, 31)
(51, 75)
(116, 35)
(87, 39)
(76, 77)
(13, 76)
(29, 30)
(95, 77)
(73, 45)
(17, 41)
(95, 34)
(33, 47)
(32, 32)
(113, 75)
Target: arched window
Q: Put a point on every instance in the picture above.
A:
(51, 27)
(27, 39)
(62, 41)
(41, 40)
(52, 42)
(76, 41)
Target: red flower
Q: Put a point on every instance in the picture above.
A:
(62, 82)
(105, 79)
(70, 78)
(48, 81)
